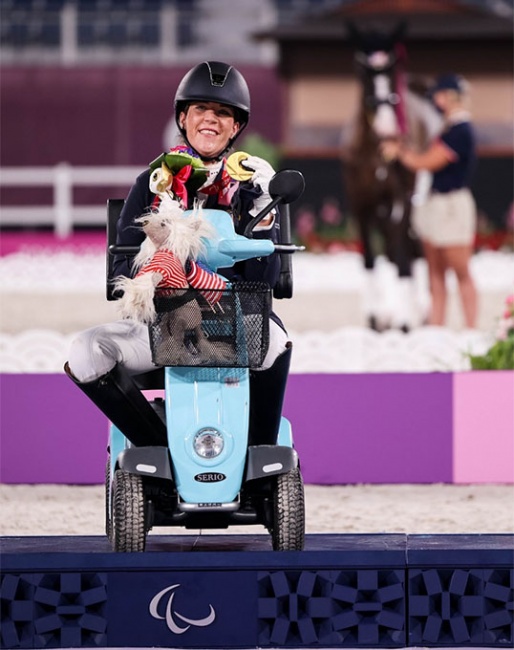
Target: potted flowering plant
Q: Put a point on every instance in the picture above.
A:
(500, 355)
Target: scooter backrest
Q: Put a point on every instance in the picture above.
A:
(114, 208)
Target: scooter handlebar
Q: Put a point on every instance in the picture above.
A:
(248, 231)
(245, 249)
(288, 248)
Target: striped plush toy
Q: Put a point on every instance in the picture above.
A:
(167, 260)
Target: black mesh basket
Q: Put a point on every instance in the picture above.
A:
(212, 327)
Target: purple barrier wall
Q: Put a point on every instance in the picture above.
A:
(50, 432)
(390, 428)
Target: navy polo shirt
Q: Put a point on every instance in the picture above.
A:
(458, 137)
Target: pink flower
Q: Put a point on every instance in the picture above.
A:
(502, 332)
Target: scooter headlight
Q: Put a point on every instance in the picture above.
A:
(208, 443)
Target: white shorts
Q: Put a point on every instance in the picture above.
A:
(446, 219)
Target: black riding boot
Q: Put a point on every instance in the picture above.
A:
(118, 397)
(267, 390)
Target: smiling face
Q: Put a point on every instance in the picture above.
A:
(209, 126)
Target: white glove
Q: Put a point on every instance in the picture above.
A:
(263, 173)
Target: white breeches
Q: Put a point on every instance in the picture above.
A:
(95, 351)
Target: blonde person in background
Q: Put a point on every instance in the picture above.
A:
(446, 221)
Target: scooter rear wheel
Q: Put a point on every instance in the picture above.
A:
(288, 529)
(128, 513)
(108, 520)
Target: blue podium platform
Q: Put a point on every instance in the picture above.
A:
(233, 591)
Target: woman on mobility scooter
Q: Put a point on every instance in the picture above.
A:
(212, 107)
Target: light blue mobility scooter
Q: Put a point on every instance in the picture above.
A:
(209, 476)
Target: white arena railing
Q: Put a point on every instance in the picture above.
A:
(63, 214)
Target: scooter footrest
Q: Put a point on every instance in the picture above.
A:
(146, 461)
(269, 460)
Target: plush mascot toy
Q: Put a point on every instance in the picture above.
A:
(168, 257)
(167, 260)
(173, 242)
(176, 173)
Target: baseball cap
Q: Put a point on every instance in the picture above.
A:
(449, 82)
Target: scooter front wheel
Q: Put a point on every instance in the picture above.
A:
(288, 529)
(128, 518)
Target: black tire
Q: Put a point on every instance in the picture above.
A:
(128, 513)
(288, 529)
(108, 520)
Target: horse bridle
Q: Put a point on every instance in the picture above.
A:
(371, 101)
(393, 99)
(362, 59)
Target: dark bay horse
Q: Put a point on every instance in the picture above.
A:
(380, 192)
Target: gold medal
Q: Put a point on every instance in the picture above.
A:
(234, 168)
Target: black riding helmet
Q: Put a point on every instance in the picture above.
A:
(213, 81)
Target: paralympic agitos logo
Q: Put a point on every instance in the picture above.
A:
(171, 615)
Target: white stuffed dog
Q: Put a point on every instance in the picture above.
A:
(167, 259)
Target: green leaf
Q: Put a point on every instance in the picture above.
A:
(500, 356)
